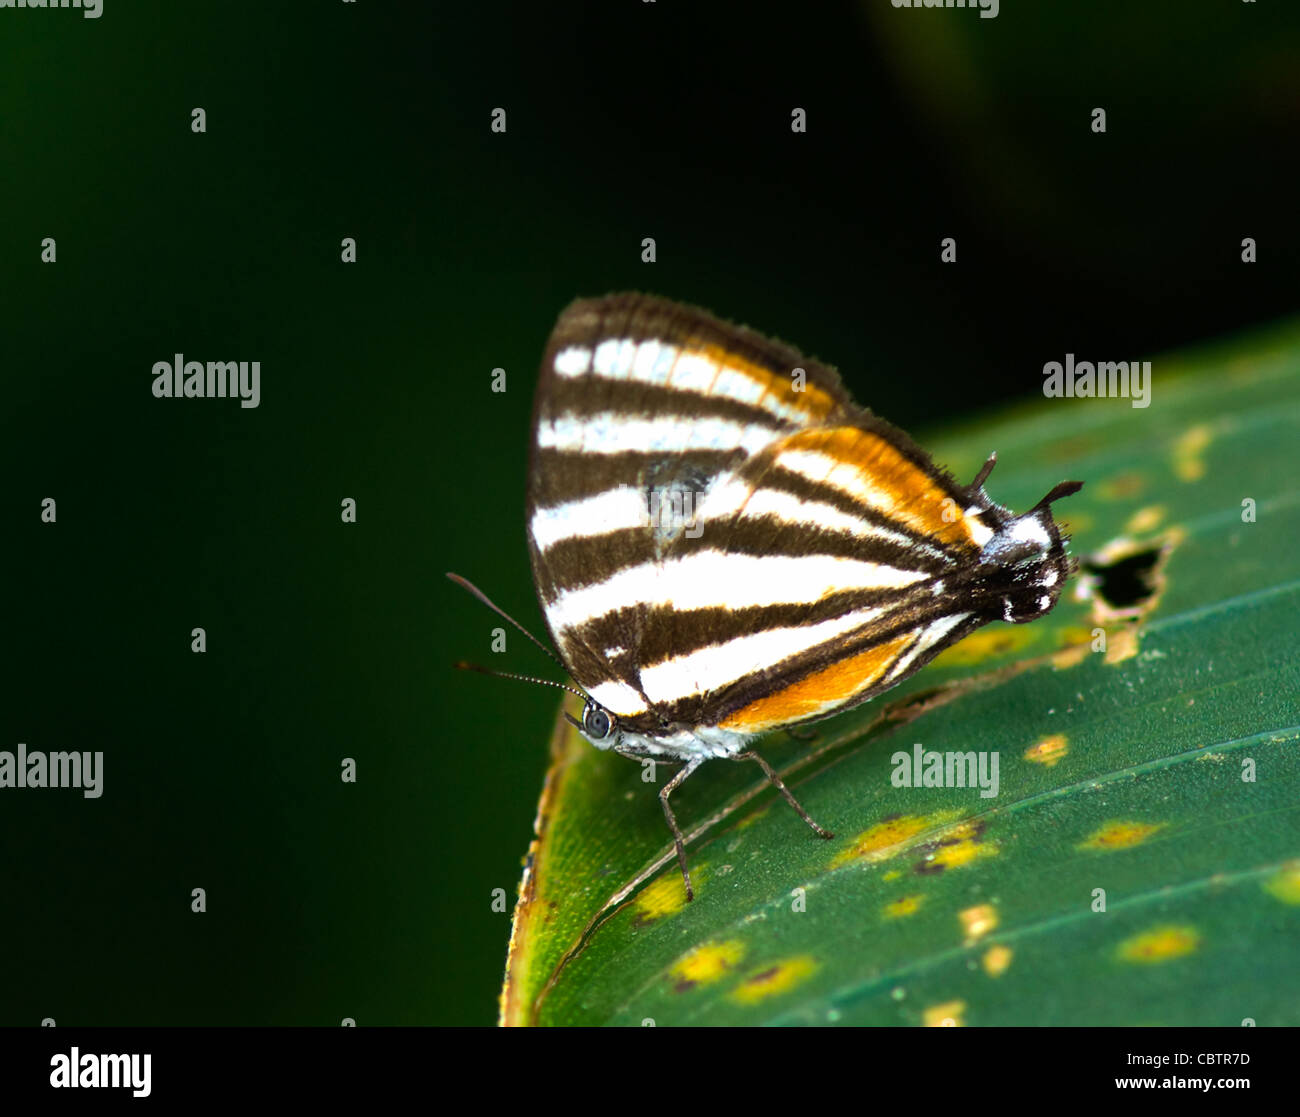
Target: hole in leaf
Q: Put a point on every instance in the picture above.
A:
(1127, 583)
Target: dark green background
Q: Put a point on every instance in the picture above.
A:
(371, 120)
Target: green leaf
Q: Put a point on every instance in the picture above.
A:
(1161, 773)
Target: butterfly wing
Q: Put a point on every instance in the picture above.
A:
(721, 537)
(849, 565)
(642, 404)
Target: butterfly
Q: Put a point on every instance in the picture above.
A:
(724, 544)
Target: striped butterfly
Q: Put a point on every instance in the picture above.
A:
(724, 544)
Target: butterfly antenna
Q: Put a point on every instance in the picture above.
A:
(983, 474)
(464, 583)
(463, 666)
(1065, 488)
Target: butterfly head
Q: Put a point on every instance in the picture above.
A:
(598, 725)
(672, 741)
(1028, 559)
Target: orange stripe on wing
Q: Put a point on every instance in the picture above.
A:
(818, 692)
(910, 494)
(810, 400)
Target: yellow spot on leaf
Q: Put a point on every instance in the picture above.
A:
(905, 905)
(1070, 657)
(1123, 486)
(1049, 751)
(878, 843)
(1188, 463)
(957, 846)
(978, 921)
(1284, 885)
(963, 853)
(1073, 635)
(667, 895)
(1114, 550)
(947, 1015)
(780, 977)
(893, 874)
(983, 645)
(708, 962)
(1120, 835)
(1121, 645)
(997, 960)
(1162, 944)
(1146, 519)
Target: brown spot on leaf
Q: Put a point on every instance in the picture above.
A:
(959, 846)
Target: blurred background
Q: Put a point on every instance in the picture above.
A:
(327, 640)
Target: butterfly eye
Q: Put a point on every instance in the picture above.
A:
(596, 722)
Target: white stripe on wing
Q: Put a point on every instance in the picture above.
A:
(618, 698)
(573, 361)
(616, 509)
(934, 632)
(735, 495)
(718, 665)
(853, 480)
(686, 370)
(611, 432)
(708, 579)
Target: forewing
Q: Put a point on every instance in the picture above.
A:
(642, 406)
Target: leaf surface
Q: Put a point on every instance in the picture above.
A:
(1140, 862)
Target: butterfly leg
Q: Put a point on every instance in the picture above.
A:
(789, 798)
(668, 789)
